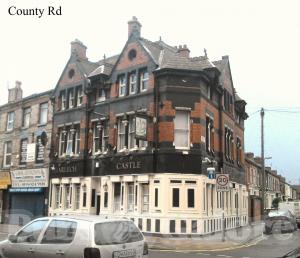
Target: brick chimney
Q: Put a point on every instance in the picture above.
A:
(184, 51)
(16, 93)
(258, 160)
(79, 49)
(134, 27)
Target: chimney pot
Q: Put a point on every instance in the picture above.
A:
(184, 51)
(16, 93)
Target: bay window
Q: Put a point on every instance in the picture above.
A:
(100, 136)
(209, 135)
(69, 140)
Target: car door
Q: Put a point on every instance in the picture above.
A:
(58, 240)
(26, 241)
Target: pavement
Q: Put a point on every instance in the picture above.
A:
(234, 238)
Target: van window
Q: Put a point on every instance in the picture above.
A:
(116, 232)
(60, 232)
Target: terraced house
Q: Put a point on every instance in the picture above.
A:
(25, 133)
(135, 133)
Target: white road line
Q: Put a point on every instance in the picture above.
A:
(203, 254)
(223, 255)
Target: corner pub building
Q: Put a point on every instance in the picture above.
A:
(134, 134)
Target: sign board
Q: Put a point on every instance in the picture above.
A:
(4, 180)
(222, 182)
(40, 150)
(30, 152)
(141, 127)
(211, 173)
(30, 177)
(26, 190)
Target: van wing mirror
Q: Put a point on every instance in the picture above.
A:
(12, 238)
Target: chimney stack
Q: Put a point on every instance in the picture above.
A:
(16, 93)
(79, 49)
(249, 155)
(184, 51)
(134, 27)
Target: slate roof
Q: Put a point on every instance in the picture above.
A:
(104, 66)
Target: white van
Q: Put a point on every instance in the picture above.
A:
(293, 206)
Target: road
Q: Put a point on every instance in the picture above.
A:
(270, 247)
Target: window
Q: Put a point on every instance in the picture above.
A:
(117, 196)
(116, 232)
(122, 86)
(144, 78)
(7, 154)
(172, 226)
(131, 133)
(183, 226)
(59, 232)
(67, 196)
(145, 197)
(77, 196)
(194, 226)
(79, 95)
(130, 197)
(140, 223)
(239, 151)
(69, 141)
(84, 197)
(191, 198)
(100, 136)
(30, 233)
(175, 199)
(93, 201)
(132, 83)
(148, 224)
(157, 225)
(228, 144)
(43, 113)
(10, 121)
(26, 117)
(209, 135)
(228, 101)
(71, 98)
(40, 150)
(102, 96)
(122, 124)
(56, 195)
(156, 197)
(23, 151)
(181, 130)
(63, 100)
(105, 199)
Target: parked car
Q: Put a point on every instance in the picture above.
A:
(76, 237)
(280, 221)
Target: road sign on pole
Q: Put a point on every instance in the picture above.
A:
(222, 182)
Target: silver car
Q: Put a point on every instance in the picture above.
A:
(76, 237)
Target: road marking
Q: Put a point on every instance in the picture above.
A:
(224, 255)
(203, 254)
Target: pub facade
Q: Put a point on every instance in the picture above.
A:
(134, 134)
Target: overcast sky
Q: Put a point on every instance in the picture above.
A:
(261, 38)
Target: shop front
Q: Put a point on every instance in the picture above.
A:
(27, 195)
(4, 184)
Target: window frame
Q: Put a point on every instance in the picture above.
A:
(43, 111)
(5, 154)
(10, 121)
(182, 129)
(122, 85)
(144, 80)
(132, 83)
(26, 114)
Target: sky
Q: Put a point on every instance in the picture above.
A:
(261, 38)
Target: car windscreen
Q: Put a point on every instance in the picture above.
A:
(116, 232)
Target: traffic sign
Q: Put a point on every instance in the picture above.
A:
(222, 182)
(211, 173)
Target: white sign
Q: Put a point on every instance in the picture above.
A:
(222, 182)
(30, 152)
(141, 128)
(30, 177)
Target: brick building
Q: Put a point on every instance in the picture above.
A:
(135, 133)
(26, 125)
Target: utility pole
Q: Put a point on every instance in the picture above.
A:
(263, 186)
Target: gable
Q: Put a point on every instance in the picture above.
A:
(126, 60)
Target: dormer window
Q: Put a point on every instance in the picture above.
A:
(122, 86)
(132, 83)
(144, 78)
